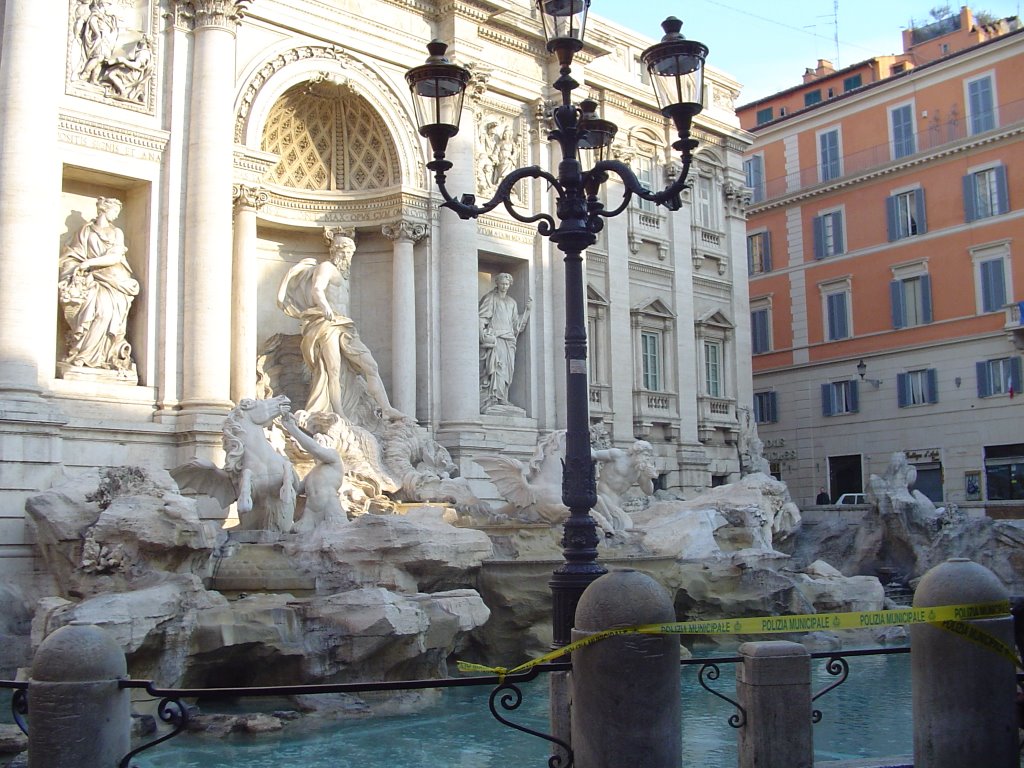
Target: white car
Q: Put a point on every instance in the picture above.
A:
(848, 499)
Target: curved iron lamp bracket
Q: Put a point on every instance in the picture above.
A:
(466, 208)
(668, 197)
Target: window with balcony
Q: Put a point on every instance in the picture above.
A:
(760, 327)
(653, 333)
(828, 234)
(901, 126)
(917, 387)
(981, 107)
(839, 397)
(753, 169)
(986, 193)
(759, 253)
(713, 383)
(1000, 376)
(707, 202)
(643, 166)
(905, 214)
(650, 360)
(911, 301)
(829, 155)
(766, 410)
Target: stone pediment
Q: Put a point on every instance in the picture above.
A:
(653, 306)
(715, 318)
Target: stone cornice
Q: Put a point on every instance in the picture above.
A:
(82, 131)
(502, 228)
(324, 210)
(646, 268)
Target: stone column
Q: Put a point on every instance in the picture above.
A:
(773, 685)
(206, 312)
(404, 235)
(625, 703)
(248, 200)
(963, 693)
(460, 336)
(78, 713)
(30, 172)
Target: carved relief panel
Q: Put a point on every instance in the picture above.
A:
(112, 52)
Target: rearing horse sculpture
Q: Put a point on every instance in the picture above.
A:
(255, 475)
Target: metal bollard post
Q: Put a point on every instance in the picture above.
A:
(78, 716)
(625, 689)
(963, 693)
(773, 685)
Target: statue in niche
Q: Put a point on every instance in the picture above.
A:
(96, 289)
(254, 474)
(341, 365)
(500, 326)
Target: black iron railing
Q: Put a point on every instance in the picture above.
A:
(506, 695)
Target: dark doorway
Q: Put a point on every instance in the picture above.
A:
(844, 475)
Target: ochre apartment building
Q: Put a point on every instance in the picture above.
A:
(884, 244)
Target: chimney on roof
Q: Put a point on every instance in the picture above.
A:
(823, 69)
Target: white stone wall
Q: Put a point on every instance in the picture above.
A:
(141, 152)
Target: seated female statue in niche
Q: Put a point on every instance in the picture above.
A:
(96, 288)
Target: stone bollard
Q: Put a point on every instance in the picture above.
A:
(625, 690)
(963, 694)
(78, 717)
(773, 685)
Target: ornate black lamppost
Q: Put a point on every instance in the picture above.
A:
(676, 66)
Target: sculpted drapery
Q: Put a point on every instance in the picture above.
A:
(96, 288)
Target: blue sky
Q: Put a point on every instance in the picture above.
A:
(766, 47)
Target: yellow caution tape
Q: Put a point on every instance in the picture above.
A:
(949, 617)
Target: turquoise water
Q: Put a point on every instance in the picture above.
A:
(867, 716)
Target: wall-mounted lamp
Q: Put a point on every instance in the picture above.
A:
(862, 368)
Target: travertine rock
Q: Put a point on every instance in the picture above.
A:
(119, 528)
(416, 552)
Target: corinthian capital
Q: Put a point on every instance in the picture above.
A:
(249, 196)
(212, 13)
(404, 230)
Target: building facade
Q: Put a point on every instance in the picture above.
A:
(884, 254)
(239, 138)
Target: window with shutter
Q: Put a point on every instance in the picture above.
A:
(993, 285)
(981, 114)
